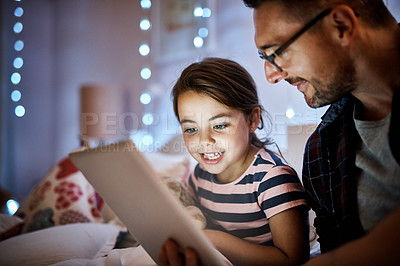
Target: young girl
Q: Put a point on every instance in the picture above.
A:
(254, 203)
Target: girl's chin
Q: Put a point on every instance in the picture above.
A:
(211, 168)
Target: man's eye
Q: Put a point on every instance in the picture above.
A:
(190, 130)
(220, 127)
(269, 52)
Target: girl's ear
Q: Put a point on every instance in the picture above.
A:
(254, 119)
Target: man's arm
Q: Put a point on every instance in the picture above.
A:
(378, 247)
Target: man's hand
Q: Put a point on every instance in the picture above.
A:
(170, 255)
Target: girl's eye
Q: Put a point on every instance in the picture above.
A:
(190, 130)
(220, 127)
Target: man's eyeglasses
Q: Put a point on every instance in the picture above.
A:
(271, 58)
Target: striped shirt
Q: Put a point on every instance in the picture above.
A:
(242, 208)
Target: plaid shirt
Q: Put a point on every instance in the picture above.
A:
(329, 176)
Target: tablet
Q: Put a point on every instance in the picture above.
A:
(127, 182)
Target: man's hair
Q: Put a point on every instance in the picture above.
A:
(373, 12)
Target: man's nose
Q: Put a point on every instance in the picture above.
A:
(273, 74)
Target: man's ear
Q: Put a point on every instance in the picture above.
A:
(344, 23)
(254, 119)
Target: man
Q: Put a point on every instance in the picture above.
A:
(346, 54)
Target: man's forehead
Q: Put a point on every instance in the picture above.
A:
(271, 24)
(270, 10)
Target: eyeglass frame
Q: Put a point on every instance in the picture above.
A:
(271, 58)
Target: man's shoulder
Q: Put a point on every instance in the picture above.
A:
(337, 110)
(332, 127)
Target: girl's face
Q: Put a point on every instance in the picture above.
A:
(216, 136)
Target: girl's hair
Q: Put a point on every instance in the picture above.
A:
(226, 82)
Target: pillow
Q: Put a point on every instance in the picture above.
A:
(124, 256)
(63, 196)
(59, 243)
(176, 145)
(10, 226)
(169, 165)
(7, 221)
(183, 195)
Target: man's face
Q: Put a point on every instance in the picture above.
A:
(314, 62)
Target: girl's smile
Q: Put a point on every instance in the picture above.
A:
(212, 158)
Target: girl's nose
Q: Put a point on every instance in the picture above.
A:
(206, 138)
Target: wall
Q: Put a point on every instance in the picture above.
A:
(30, 139)
(95, 42)
(68, 43)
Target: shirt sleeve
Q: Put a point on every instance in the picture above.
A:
(280, 190)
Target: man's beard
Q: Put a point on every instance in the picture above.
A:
(343, 82)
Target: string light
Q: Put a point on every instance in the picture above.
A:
(290, 113)
(145, 73)
(18, 27)
(18, 12)
(145, 24)
(200, 12)
(144, 49)
(18, 63)
(198, 42)
(12, 206)
(147, 140)
(145, 4)
(20, 111)
(147, 119)
(145, 98)
(203, 32)
(15, 78)
(206, 12)
(16, 95)
(18, 45)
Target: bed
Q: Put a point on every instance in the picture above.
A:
(64, 221)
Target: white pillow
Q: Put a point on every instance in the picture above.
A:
(7, 221)
(59, 243)
(116, 257)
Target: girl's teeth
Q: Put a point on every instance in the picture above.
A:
(212, 156)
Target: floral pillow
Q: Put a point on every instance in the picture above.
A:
(64, 196)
